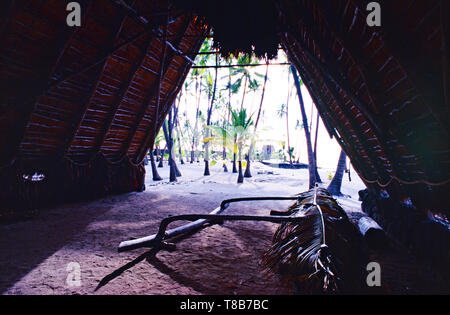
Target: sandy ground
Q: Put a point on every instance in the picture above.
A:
(36, 255)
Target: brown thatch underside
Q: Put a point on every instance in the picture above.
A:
(72, 94)
(80, 94)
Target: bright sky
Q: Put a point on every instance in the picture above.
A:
(272, 129)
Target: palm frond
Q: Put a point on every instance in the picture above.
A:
(316, 264)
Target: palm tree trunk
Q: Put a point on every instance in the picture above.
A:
(155, 174)
(224, 157)
(172, 174)
(180, 152)
(250, 151)
(247, 172)
(315, 148)
(287, 130)
(234, 158)
(208, 120)
(335, 185)
(161, 156)
(177, 129)
(168, 129)
(240, 175)
(195, 133)
(243, 94)
(311, 160)
(172, 149)
(224, 154)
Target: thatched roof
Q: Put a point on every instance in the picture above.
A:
(382, 91)
(74, 92)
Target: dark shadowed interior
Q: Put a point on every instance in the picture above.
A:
(82, 105)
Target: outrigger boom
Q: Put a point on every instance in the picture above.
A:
(200, 220)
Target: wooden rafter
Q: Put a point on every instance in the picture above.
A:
(151, 133)
(331, 86)
(118, 98)
(154, 91)
(335, 75)
(243, 65)
(354, 51)
(370, 78)
(79, 117)
(320, 100)
(100, 60)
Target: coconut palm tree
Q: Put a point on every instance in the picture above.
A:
(250, 151)
(243, 74)
(312, 166)
(176, 126)
(197, 76)
(234, 136)
(211, 90)
(168, 134)
(245, 77)
(241, 128)
(335, 185)
(283, 112)
(155, 174)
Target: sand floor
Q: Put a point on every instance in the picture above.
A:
(36, 255)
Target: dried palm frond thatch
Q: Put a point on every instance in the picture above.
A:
(323, 252)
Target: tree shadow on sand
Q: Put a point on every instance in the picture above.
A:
(150, 257)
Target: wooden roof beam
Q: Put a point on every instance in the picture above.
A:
(117, 28)
(369, 77)
(307, 74)
(151, 134)
(333, 73)
(118, 98)
(331, 84)
(138, 17)
(380, 168)
(243, 65)
(155, 89)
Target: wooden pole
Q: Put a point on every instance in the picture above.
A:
(150, 240)
(243, 65)
(154, 91)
